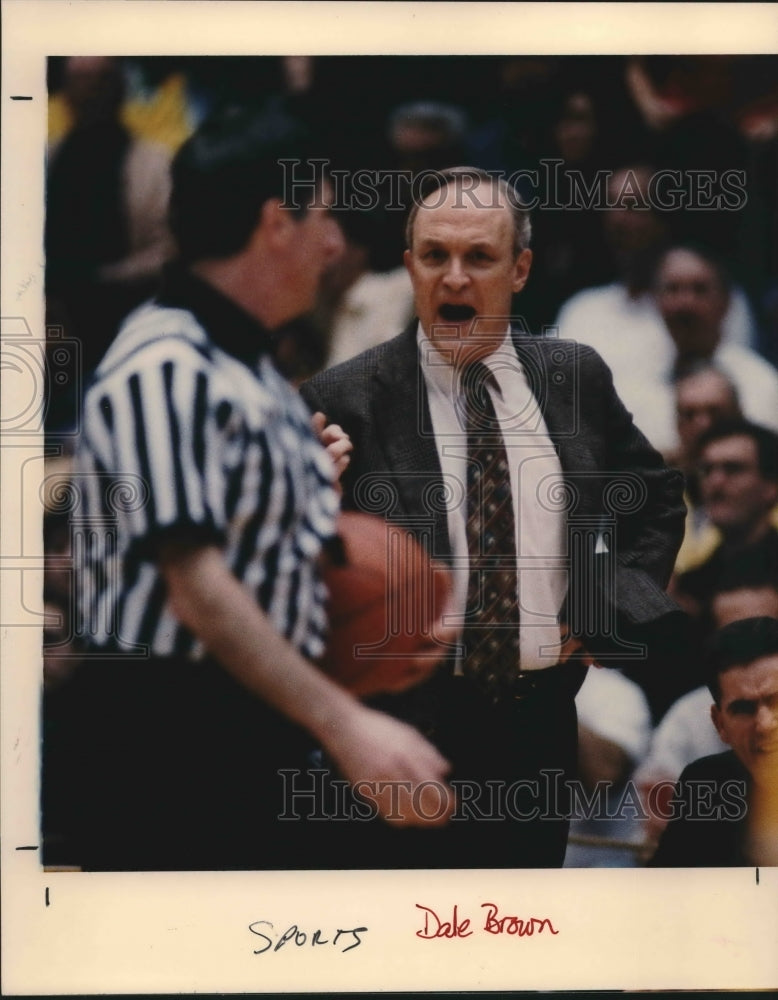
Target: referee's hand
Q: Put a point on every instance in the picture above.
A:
(391, 765)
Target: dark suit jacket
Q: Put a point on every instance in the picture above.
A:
(618, 488)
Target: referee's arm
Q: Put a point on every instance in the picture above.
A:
(366, 745)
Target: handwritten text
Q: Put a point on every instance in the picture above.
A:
(455, 926)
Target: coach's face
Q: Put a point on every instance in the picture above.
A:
(464, 270)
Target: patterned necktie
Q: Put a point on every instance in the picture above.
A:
(491, 633)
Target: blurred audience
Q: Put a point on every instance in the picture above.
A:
(60, 655)
(523, 93)
(360, 307)
(738, 479)
(704, 396)
(708, 113)
(421, 136)
(425, 134)
(622, 321)
(106, 208)
(570, 248)
(614, 729)
(693, 293)
(365, 297)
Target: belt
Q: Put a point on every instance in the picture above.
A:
(563, 679)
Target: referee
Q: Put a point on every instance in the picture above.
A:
(206, 500)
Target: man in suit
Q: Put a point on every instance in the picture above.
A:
(512, 459)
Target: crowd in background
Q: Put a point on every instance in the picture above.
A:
(682, 302)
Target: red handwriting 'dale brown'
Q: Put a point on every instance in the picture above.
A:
(494, 923)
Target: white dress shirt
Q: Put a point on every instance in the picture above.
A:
(536, 480)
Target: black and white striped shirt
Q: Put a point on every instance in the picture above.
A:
(189, 431)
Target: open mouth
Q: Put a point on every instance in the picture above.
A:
(456, 314)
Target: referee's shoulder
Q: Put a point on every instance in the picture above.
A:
(151, 336)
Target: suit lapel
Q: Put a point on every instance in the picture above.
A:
(404, 428)
(551, 368)
(556, 406)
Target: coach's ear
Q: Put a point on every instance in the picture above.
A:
(521, 269)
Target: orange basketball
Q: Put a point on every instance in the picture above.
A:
(385, 596)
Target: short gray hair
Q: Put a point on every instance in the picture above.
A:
(438, 180)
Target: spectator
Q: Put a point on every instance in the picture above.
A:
(686, 731)
(693, 293)
(735, 819)
(704, 396)
(739, 489)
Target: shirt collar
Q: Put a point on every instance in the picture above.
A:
(440, 374)
(228, 325)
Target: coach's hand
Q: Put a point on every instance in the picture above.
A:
(572, 646)
(335, 440)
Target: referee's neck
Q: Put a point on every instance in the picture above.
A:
(252, 287)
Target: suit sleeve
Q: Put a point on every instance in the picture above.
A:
(643, 508)
(651, 526)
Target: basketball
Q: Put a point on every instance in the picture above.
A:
(385, 597)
